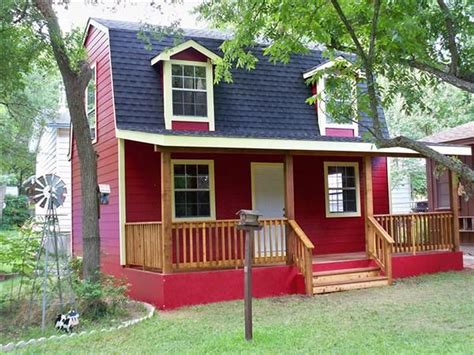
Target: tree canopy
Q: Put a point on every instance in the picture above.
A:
(414, 44)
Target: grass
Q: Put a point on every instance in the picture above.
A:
(15, 334)
(427, 314)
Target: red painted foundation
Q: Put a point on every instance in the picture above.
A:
(190, 288)
(427, 263)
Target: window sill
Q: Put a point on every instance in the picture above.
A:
(343, 215)
(191, 119)
(193, 219)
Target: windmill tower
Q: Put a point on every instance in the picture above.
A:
(51, 281)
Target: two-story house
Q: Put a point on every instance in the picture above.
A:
(183, 154)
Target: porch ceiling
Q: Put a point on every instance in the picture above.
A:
(360, 148)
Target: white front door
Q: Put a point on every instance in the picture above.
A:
(268, 197)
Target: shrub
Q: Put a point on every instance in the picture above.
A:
(18, 249)
(97, 299)
(16, 211)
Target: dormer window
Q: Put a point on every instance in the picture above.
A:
(188, 92)
(335, 95)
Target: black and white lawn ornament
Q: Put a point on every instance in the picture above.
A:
(67, 322)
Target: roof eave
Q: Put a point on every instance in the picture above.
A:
(170, 140)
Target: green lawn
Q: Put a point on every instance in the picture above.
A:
(429, 314)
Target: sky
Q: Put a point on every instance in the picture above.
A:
(78, 11)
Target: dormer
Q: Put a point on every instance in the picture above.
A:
(188, 90)
(328, 126)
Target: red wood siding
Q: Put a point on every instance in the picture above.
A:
(340, 132)
(190, 126)
(97, 45)
(233, 192)
(380, 185)
(142, 187)
(330, 235)
(190, 54)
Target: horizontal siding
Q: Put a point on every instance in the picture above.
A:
(380, 185)
(107, 166)
(52, 159)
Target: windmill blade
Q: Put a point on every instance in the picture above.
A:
(43, 202)
(41, 182)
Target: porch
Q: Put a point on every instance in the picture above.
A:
(301, 238)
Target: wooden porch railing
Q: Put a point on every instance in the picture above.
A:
(417, 232)
(301, 251)
(380, 247)
(143, 245)
(219, 244)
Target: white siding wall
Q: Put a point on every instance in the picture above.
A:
(52, 158)
(401, 198)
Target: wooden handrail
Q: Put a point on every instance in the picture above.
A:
(380, 246)
(143, 245)
(418, 232)
(302, 254)
(299, 232)
(220, 244)
(380, 229)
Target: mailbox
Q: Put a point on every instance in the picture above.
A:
(104, 193)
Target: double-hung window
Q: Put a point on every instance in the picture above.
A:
(193, 189)
(189, 90)
(342, 189)
(91, 104)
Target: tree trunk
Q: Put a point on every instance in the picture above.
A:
(75, 83)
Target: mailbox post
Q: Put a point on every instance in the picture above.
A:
(249, 223)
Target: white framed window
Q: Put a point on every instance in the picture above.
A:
(188, 92)
(342, 189)
(91, 104)
(324, 119)
(193, 195)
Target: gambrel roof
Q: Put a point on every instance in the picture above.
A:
(267, 102)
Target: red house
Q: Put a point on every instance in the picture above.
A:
(182, 155)
(438, 186)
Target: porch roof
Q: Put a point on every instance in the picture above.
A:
(322, 144)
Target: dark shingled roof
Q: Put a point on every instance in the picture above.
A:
(267, 102)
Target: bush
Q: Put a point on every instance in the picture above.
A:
(16, 211)
(18, 249)
(98, 299)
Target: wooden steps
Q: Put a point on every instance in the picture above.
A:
(347, 279)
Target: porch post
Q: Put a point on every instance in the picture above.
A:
(454, 203)
(369, 201)
(166, 210)
(289, 203)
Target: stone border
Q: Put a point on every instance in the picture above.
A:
(12, 346)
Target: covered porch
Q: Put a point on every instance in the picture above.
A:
(301, 236)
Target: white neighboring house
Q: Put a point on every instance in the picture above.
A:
(400, 194)
(52, 158)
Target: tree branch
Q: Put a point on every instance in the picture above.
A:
(373, 31)
(452, 79)
(466, 174)
(349, 29)
(450, 37)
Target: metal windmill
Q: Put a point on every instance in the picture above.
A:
(52, 264)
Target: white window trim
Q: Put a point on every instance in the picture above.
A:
(355, 165)
(167, 54)
(94, 69)
(323, 125)
(212, 193)
(168, 94)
